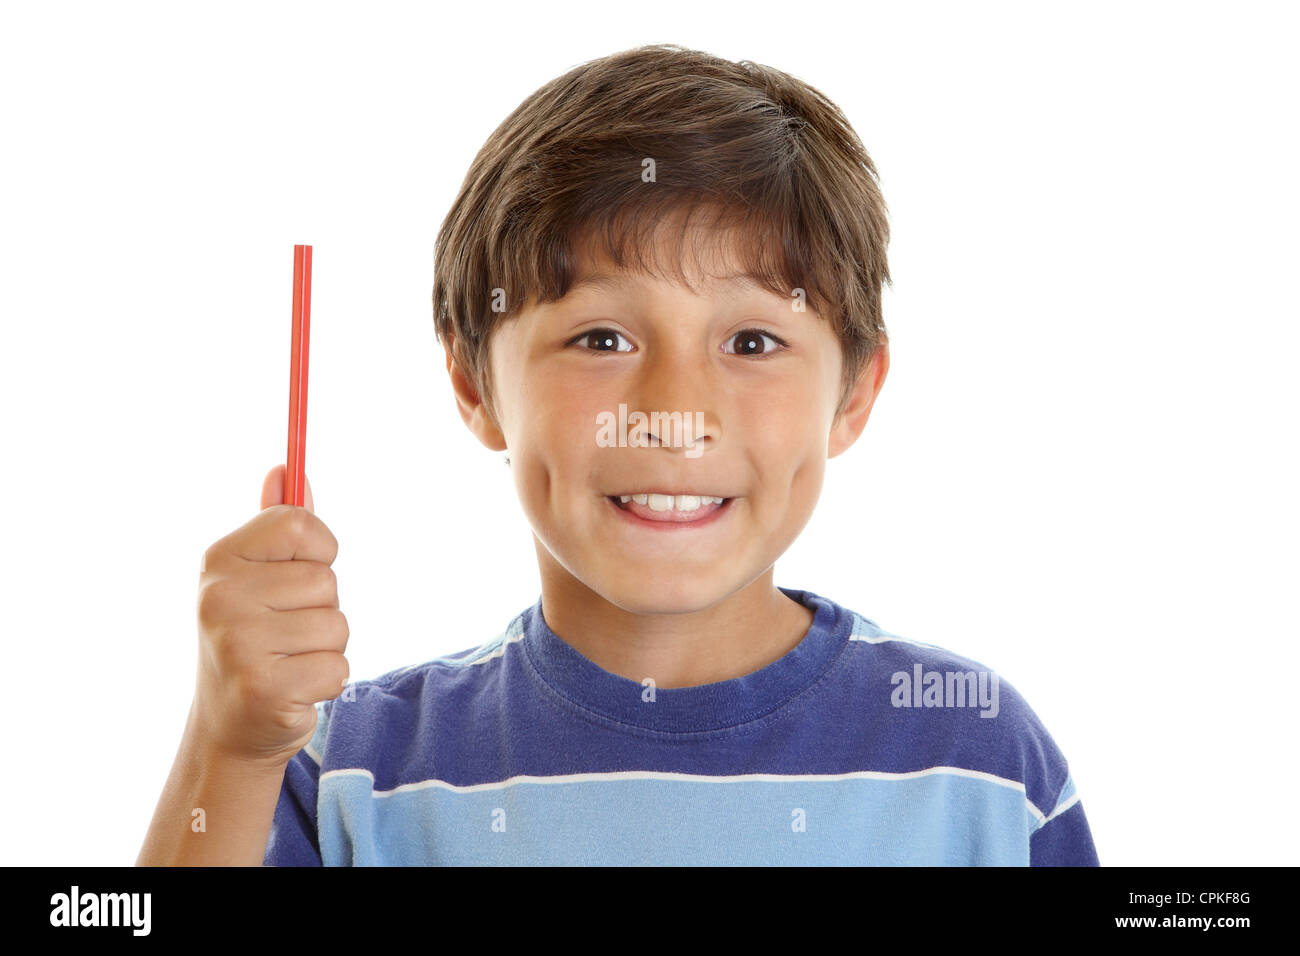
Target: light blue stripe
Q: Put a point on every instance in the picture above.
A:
(1067, 792)
(865, 629)
(513, 632)
(317, 742)
(940, 819)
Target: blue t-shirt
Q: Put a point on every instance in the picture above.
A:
(856, 747)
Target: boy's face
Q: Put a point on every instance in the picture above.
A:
(765, 412)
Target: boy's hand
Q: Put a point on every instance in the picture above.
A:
(271, 636)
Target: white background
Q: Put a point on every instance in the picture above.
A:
(1081, 471)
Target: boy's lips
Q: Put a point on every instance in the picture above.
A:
(671, 518)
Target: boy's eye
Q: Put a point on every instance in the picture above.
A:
(605, 341)
(753, 339)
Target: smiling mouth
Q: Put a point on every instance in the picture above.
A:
(670, 509)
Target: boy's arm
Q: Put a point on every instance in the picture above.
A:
(1062, 836)
(237, 799)
(271, 642)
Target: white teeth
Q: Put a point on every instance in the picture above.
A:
(664, 502)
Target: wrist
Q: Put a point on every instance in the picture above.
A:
(212, 756)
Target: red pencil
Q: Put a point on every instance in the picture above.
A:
(295, 468)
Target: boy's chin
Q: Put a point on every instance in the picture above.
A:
(642, 588)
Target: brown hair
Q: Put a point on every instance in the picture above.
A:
(773, 156)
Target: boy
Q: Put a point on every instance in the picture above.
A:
(659, 290)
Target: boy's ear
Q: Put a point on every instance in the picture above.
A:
(849, 424)
(473, 410)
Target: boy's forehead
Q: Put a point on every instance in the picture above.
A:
(701, 260)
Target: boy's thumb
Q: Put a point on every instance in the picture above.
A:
(273, 490)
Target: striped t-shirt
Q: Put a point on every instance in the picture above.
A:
(856, 747)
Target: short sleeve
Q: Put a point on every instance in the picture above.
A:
(1058, 829)
(1064, 838)
(294, 839)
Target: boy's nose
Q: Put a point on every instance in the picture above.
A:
(685, 430)
(675, 380)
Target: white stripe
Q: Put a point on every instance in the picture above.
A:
(1038, 814)
(311, 752)
(1063, 807)
(870, 633)
(512, 635)
(686, 777)
(882, 638)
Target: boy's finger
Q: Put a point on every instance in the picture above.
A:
(273, 490)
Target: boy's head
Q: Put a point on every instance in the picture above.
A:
(673, 233)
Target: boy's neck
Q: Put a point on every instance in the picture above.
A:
(737, 636)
